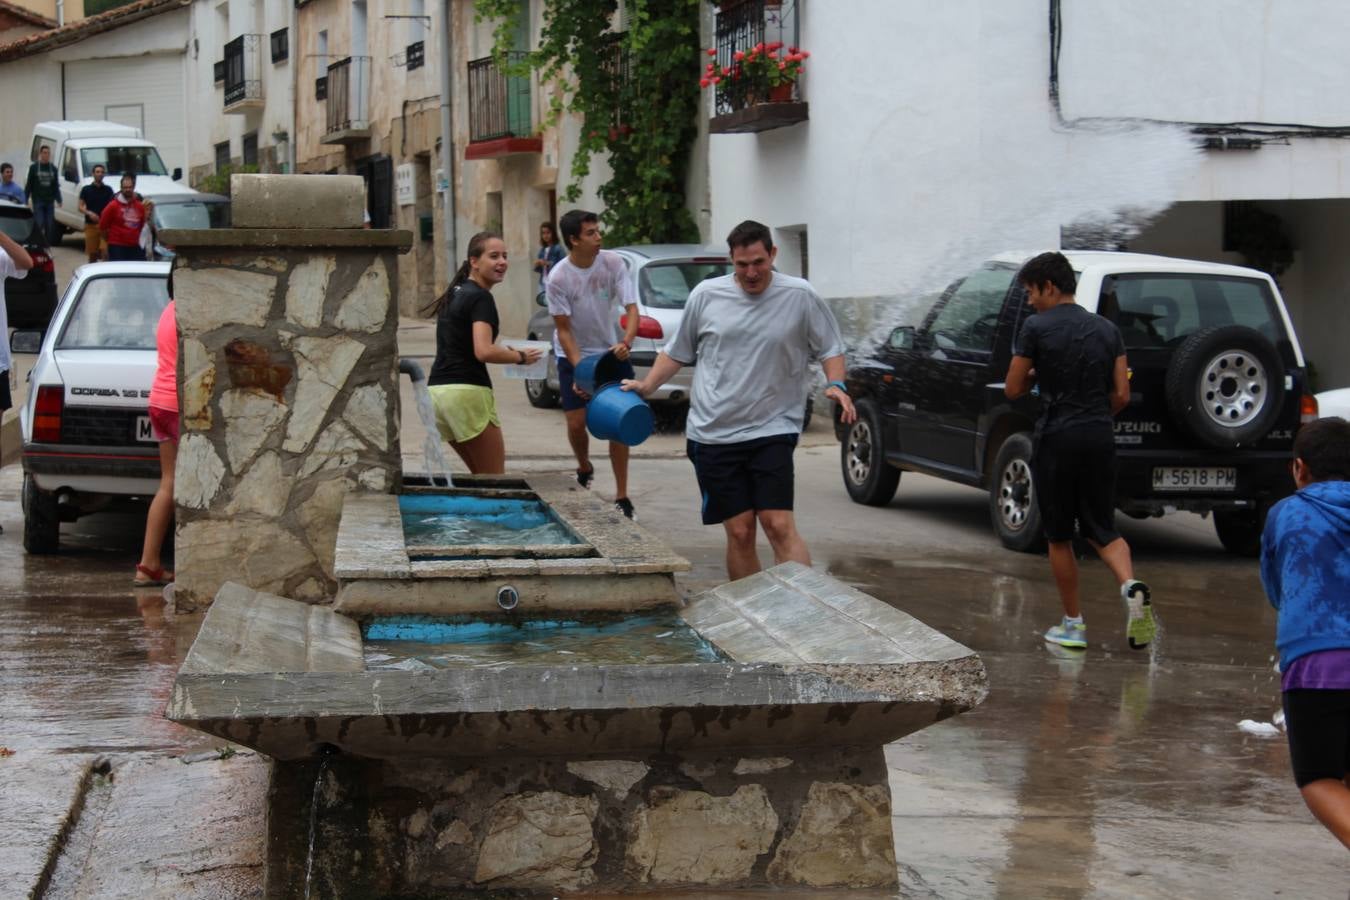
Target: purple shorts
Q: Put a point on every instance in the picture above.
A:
(164, 424)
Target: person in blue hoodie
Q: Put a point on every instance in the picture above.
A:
(1305, 567)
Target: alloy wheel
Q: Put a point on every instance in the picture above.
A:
(1014, 494)
(859, 451)
(1233, 388)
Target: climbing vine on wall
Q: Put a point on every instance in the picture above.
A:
(633, 95)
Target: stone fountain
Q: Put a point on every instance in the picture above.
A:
(516, 734)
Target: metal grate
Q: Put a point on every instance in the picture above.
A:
(349, 94)
(243, 69)
(416, 55)
(100, 427)
(616, 65)
(321, 88)
(740, 26)
(499, 104)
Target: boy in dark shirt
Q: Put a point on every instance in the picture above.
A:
(1078, 360)
(1305, 567)
(93, 198)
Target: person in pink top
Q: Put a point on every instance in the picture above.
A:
(164, 423)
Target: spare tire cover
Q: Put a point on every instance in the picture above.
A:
(1225, 386)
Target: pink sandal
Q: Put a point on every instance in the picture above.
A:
(153, 577)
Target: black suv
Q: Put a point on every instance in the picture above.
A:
(1217, 390)
(29, 299)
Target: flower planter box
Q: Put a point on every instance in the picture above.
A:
(759, 117)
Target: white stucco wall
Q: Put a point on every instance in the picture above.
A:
(932, 142)
(1207, 60)
(37, 79)
(209, 125)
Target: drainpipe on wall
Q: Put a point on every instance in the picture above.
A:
(293, 58)
(60, 13)
(447, 138)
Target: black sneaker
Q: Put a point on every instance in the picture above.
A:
(584, 478)
(625, 506)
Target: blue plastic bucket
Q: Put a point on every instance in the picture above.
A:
(618, 415)
(594, 372)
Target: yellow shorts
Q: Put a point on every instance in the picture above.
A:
(463, 411)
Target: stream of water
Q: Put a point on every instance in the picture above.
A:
(436, 461)
(313, 826)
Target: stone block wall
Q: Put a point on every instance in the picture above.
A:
(807, 818)
(288, 397)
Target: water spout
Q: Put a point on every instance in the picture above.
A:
(508, 598)
(434, 453)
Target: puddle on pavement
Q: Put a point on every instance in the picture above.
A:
(91, 673)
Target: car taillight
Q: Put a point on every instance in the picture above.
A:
(42, 262)
(47, 414)
(1307, 409)
(647, 327)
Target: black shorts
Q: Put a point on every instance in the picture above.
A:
(747, 475)
(569, 397)
(1318, 725)
(1074, 474)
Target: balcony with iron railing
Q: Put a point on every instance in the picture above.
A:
(740, 104)
(347, 86)
(244, 73)
(501, 111)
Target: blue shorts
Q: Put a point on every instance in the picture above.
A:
(569, 397)
(747, 475)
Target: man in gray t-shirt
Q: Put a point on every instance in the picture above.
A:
(753, 335)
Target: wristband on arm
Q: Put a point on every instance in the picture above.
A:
(838, 384)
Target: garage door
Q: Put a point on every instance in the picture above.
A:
(145, 91)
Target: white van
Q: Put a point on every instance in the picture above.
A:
(78, 146)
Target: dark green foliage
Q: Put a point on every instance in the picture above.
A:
(636, 94)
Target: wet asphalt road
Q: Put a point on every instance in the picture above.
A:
(1106, 774)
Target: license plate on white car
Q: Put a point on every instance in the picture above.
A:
(143, 430)
(1194, 478)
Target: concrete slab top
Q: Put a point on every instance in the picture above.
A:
(793, 614)
(254, 632)
(804, 644)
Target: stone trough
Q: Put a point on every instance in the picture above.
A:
(611, 564)
(764, 767)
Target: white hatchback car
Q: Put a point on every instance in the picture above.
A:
(86, 427)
